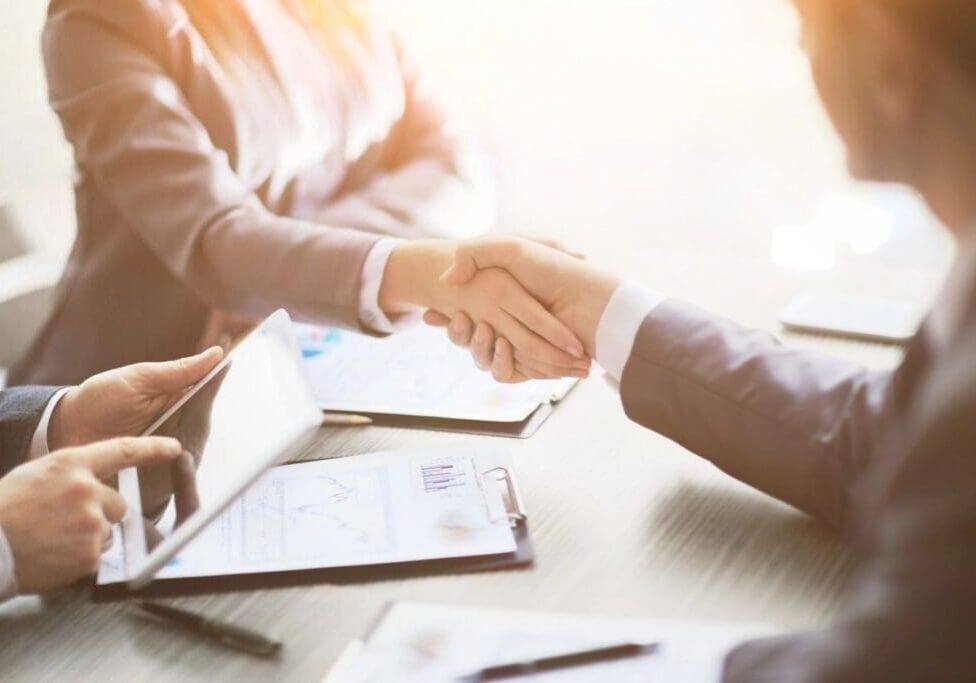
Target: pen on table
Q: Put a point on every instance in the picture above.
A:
(346, 420)
(228, 635)
(534, 666)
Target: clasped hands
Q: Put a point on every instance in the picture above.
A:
(527, 309)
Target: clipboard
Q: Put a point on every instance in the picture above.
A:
(522, 557)
(524, 429)
(417, 379)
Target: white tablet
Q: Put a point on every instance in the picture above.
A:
(254, 410)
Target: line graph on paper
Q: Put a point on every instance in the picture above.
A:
(342, 516)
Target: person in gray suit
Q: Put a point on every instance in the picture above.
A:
(889, 457)
(59, 447)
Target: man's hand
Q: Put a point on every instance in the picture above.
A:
(489, 295)
(573, 292)
(124, 402)
(57, 513)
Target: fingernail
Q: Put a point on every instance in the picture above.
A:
(575, 351)
(456, 325)
(173, 445)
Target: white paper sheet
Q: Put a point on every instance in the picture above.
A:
(418, 372)
(399, 506)
(425, 642)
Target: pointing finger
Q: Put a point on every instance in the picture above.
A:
(106, 458)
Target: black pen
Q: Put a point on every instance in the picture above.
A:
(603, 654)
(228, 635)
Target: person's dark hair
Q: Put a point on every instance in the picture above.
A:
(947, 25)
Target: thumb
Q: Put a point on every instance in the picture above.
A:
(106, 458)
(176, 375)
(488, 253)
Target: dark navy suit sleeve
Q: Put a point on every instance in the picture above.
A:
(21, 409)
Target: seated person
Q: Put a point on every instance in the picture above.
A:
(59, 447)
(237, 157)
(888, 457)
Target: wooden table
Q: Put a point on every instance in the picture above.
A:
(624, 523)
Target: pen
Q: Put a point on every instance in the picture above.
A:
(603, 654)
(344, 420)
(228, 635)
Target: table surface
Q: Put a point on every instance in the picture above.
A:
(700, 163)
(624, 523)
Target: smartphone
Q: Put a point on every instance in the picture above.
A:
(855, 318)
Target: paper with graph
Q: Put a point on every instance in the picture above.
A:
(419, 642)
(418, 372)
(401, 506)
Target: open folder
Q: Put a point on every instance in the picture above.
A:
(419, 379)
(418, 642)
(438, 509)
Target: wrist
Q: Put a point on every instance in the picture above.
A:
(61, 430)
(589, 307)
(412, 275)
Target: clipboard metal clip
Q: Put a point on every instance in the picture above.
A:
(515, 511)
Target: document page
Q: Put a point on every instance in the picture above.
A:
(418, 372)
(426, 642)
(420, 504)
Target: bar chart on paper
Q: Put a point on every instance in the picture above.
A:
(443, 476)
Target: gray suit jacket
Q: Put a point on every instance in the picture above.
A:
(20, 411)
(201, 187)
(889, 457)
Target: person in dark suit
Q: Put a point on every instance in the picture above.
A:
(889, 457)
(21, 409)
(58, 447)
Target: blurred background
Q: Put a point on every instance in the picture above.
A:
(670, 126)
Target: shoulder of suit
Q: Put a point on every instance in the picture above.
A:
(149, 25)
(129, 16)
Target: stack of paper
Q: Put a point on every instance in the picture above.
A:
(423, 642)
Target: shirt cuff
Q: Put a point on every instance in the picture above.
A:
(619, 325)
(371, 315)
(8, 577)
(39, 445)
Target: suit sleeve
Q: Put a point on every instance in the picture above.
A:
(912, 612)
(796, 425)
(135, 136)
(430, 181)
(21, 409)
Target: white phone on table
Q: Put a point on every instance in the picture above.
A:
(857, 318)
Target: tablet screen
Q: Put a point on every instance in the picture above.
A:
(252, 412)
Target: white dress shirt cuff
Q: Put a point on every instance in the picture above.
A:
(8, 579)
(619, 325)
(39, 445)
(370, 314)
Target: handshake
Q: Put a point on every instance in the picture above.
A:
(526, 309)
